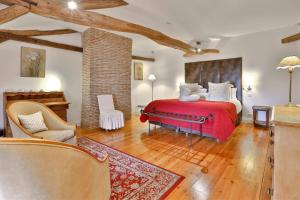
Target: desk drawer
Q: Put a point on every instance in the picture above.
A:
(267, 183)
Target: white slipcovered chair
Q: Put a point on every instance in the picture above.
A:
(44, 170)
(110, 118)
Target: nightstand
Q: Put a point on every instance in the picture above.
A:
(141, 107)
(258, 123)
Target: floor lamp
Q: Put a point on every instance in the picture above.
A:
(290, 63)
(152, 78)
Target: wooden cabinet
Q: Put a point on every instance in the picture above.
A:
(267, 183)
(282, 172)
(56, 101)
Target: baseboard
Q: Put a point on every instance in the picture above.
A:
(247, 120)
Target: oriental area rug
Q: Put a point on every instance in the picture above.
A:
(132, 178)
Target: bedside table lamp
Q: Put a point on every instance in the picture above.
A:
(290, 63)
(152, 78)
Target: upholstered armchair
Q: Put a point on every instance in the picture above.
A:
(44, 170)
(59, 130)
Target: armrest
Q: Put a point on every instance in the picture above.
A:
(54, 122)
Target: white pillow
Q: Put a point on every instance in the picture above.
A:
(219, 91)
(193, 97)
(233, 93)
(192, 88)
(33, 123)
(203, 90)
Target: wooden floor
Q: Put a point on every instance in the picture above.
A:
(234, 168)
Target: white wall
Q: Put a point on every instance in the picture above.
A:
(141, 89)
(62, 64)
(261, 53)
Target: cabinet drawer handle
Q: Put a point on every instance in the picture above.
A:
(271, 161)
(271, 142)
(270, 191)
(271, 133)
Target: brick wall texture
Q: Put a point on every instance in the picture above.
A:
(106, 70)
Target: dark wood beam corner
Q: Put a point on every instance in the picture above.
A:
(292, 38)
(30, 33)
(143, 58)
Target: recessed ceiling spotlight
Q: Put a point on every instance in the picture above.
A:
(72, 5)
(198, 50)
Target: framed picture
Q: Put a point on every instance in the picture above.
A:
(138, 71)
(33, 62)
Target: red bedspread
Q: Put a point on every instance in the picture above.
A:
(220, 126)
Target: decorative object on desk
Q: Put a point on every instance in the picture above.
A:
(33, 62)
(138, 71)
(290, 63)
(152, 78)
(258, 123)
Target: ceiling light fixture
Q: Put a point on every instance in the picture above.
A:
(72, 5)
(198, 50)
(214, 39)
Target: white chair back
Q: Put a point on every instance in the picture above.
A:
(106, 102)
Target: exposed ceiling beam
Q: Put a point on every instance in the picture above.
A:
(9, 36)
(202, 52)
(100, 4)
(292, 38)
(30, 33)
(12, 12)
(92, 19)
(97, 20)
(143, 58)
(91, 4)
(2, 39)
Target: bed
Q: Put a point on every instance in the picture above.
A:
(203, 117)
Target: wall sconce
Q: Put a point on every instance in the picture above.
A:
(248, 89)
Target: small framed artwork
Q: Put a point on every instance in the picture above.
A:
(138, 71)
(33, 62)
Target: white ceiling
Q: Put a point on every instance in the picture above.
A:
(190, 19)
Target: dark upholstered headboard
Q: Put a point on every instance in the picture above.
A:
(216, 71)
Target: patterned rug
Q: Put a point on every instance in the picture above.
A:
(132, 178)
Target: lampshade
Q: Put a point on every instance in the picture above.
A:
(151, 77)
(290, 63)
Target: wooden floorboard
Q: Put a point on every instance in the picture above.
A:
(234, 168)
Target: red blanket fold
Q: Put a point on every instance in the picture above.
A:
(220, 126)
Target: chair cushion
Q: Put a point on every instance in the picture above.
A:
(33, 123)
(56, 135)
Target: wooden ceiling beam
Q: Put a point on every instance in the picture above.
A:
(292, 38)
(90, 4)
(143, 58)
(100, 21)
(12, 12)
(2, 40)
(100, 4)
(30, 33)
(9, 36)
(204, 51)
